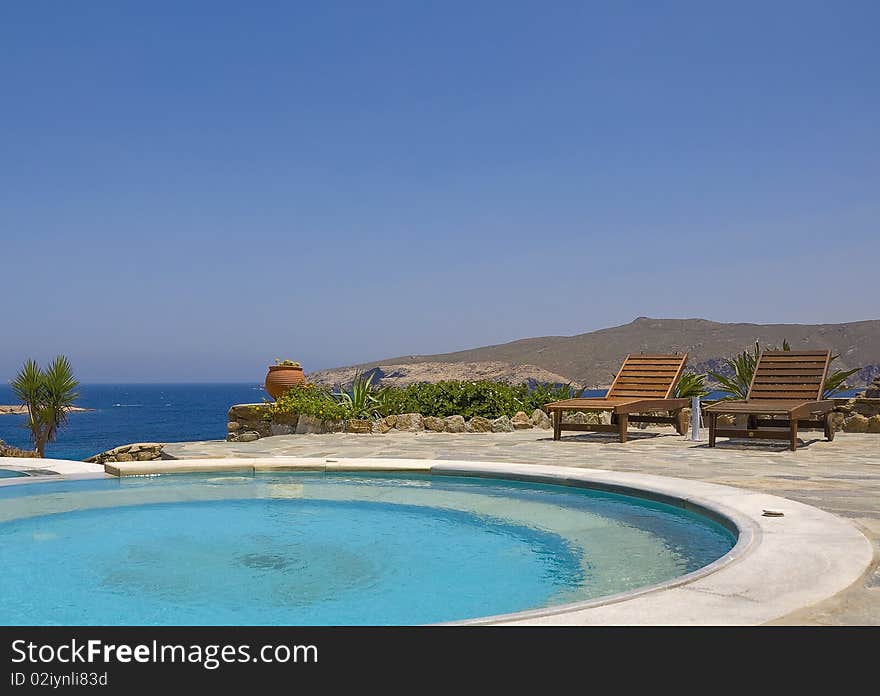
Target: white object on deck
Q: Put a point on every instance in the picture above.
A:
(695, 419)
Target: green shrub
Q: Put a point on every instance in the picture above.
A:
(311, 400)
(447, 398)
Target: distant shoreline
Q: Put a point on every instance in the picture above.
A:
(19, 410)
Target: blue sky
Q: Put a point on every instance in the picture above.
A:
(189, 190)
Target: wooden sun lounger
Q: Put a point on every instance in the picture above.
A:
(787, 390)
(644, 384)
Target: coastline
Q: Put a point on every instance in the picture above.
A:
(19, 410)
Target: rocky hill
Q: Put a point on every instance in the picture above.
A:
(591, 359)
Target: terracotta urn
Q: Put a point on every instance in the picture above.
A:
(280, 378)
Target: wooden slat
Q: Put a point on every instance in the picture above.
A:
(659, 394)
(652, 380)
(790, 365)
(806, 396)
(796, 353)
(806, 371)
(788, 379)
(660, 363)
(770, 388)
(649, 371)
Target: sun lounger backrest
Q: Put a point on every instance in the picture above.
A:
(647, 376)
(790, 375)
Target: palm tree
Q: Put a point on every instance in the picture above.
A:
(49, 396)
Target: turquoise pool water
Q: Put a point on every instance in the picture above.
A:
(9, 473)
(339, 549)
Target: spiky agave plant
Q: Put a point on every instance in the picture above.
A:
(690, 385)
(49, 396)
(359, 399)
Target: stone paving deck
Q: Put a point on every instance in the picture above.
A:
(842, 477)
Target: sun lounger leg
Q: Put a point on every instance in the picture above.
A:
(622, 425)
(712, 418)
(794, 431)
(557, 424)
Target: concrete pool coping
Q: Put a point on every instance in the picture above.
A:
(778, 565)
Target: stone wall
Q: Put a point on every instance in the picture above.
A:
(10, 451)
(859, 415)
(249, 422)
(137, 452)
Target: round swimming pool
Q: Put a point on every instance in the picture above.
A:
(337, 549)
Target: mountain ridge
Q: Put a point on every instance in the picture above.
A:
(592, 358)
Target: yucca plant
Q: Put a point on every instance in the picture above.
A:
(836, 381)
(49, 396)
(360, 399)
(690, 385)
(743, 368)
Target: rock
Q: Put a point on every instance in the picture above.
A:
(837, 421)
(455, 424)
(856, 423)
(280, 429)
(380, 426)
(249, 412)
(411, 422)
(726, 419)
(309, 425)
(10, 451)
(145, 456)
(435, 424)
(248, 436)
(502, 424)
(334, 426)
(232, 426)
(478, 424)
(123, 457)
(521, 421)
(390, 421)
(873, 424)
(358, 425)
(290, 419)
(541, 419)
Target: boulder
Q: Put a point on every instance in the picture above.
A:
(380, 426)
(309, 425)
(435, 424)
(290, 419)
(358, 425)
(873, 425)
(521, 421)
(232, 426)
(541, 419)
(410, 422)
(502, 425)
(837, 420)
(10, 451)
(280, 429)
(856, 423)
(478, 424)
(123, 457)
(248, 436)
(390, 421)
(455, 424)
(249, 412)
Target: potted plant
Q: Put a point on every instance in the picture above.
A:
(283, 375)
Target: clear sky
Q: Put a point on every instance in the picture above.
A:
(190, 190)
